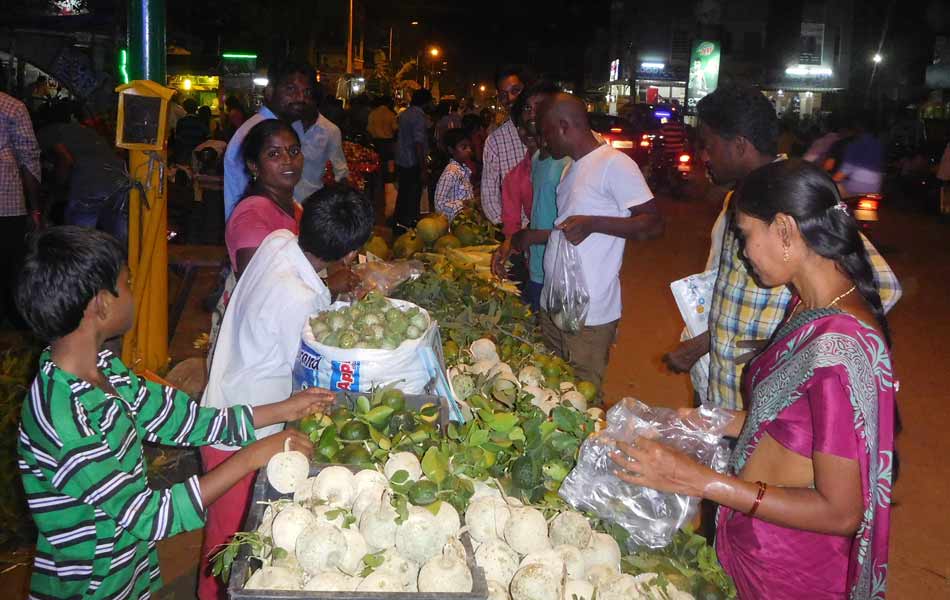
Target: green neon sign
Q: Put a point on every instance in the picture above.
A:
(239, 55)
(124, 65)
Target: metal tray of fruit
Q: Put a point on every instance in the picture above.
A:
(244, 565)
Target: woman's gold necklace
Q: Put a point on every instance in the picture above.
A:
(841, 297)
(801, 303)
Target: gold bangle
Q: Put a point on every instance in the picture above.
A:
(758, 498)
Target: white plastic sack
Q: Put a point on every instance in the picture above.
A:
(649, 516)
(693, 295)
(567, 298)
(361, 370)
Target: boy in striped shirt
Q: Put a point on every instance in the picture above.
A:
(84, 420)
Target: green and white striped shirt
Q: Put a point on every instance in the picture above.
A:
(84, 475)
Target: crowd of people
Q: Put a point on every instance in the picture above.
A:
(798, 342)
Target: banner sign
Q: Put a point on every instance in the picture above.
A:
(812, 41)
(703, 72)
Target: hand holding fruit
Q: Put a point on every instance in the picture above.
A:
(261, 451)
(498, 259)
(342, 280)
(305, 403)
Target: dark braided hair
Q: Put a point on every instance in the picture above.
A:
(807, 194)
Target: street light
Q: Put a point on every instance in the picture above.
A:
(434, 52)
(877, 58)
(414, 23)
(481, 88)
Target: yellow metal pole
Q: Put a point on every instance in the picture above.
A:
(145, 346)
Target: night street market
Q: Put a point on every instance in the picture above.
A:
(560, 300)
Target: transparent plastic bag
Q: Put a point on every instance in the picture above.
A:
(649, 516)
(567, 299)
(383, 276)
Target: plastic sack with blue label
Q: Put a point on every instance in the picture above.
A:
(362, 369)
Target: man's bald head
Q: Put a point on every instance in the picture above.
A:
(565, 127)
(569, 108)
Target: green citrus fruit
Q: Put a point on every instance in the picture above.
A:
(354, 431)
(450, 350)
(309, 424)
(356, 454)
(394, 399)
(402, 421)
(526, 473)
(340, 416)
(422, 493)
(588, 389)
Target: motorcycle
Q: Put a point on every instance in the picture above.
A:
(864, 209)
(672, 172)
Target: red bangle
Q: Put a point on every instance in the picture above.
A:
(758, 498)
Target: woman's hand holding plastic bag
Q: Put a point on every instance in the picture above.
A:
(662, 456)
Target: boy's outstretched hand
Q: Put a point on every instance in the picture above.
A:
(220, 479)
(299, 405)
(261, 451)
(307, 402)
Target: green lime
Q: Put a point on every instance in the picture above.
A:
(394, 399)
(340, 416)
(354, 431)
(552, 382)
(551, 369)
(422, 493)
(526, 473)
(450, 350)
(309, 424)
(356, 454)
(402, 421)
(588, 389)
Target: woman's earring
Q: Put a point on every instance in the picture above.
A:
(785, 254)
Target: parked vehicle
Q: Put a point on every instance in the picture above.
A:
(624, 136)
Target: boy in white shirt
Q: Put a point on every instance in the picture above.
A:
(260, 333)
(602, 201)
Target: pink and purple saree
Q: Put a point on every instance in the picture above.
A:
(824, 384)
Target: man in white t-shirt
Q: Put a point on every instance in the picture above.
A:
(602, 201)
(260, 333)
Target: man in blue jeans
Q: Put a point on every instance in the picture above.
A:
(90, 171)
(412, 147)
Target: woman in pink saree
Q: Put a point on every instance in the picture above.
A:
(805, 507)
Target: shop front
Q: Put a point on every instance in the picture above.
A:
(659, 83)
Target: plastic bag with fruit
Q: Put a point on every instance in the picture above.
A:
(651, 517)
(565, 294)
(382, 276)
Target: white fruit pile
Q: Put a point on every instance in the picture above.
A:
(496, 377)
(342, 533)
(525, 557)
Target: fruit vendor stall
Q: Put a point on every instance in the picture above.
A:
(448, 487)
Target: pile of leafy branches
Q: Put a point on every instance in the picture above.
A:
(17, 368)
